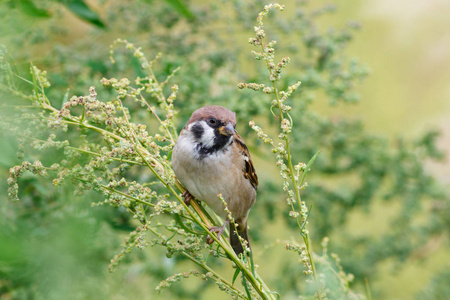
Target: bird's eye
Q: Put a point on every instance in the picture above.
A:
(212, 121)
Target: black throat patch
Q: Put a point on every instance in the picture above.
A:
(220, 141)
(197, 131)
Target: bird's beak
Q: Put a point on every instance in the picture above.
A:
(227, 130)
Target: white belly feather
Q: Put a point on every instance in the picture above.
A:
(205, 178)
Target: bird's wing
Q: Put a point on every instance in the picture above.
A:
(249, 170)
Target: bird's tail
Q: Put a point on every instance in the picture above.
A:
(242, 230)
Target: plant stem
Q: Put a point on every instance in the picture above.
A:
(128, 196)
(99, 155)
(218, 276)
(305, 236)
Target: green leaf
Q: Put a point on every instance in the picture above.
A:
(244, 283)
(83, 11)
(169, 155)
(66, 98)
(275, 293)
(28, 8)
(35, 82)
(181, 8)
(180, 222)
(236, 273)
(252, 264)
(308, 166)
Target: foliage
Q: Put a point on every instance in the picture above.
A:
(80, 9)
(354, 170)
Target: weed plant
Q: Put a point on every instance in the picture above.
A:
(105, 142)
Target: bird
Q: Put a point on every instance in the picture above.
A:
(210, 158)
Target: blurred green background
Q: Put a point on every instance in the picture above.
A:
(387, 219)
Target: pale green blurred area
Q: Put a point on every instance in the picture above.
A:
(407, 47)
(406, 44)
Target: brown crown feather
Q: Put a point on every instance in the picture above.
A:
(213, 111)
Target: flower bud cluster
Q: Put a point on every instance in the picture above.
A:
(49, 143)
(167, 206)
(235, 294)
(293, 214)
(304, 257)
(251, 86)
(227, 211)
(301, 166)
(136, 239)
(260, 34)
(122, 84)
(170, 100)
(268, 50)
(256, 87)
(290, 199)
(290, 90)
(243, 242)
(282, 64)
(266, 10)
(14, 173)
(258, 55)
(175, 278)
(284, 170)
(41, 77)
(261, 135)
(95, 110)
(275, 70)
(286, 126)
(304, 213)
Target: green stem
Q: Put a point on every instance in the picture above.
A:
(218, 276)
(275, 90)
(158, 118)
(128, 196)
(296, 190)
(99, 155)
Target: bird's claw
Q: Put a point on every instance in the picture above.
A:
(217, 230)
(187, 197)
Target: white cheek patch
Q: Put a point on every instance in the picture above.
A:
(186, 146)
(208, 136)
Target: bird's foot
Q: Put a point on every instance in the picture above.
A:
(187, 197)
(218, 230)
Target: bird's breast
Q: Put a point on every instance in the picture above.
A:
(208, 176)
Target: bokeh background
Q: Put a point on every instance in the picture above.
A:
(386, 217)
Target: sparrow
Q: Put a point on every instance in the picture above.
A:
(210, 158)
